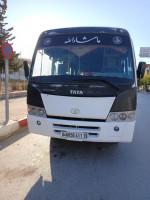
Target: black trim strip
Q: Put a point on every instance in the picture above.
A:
(74, 126)
(76, 119)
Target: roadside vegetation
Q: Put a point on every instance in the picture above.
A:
(15, 63)
(144, 83)
(6, 36)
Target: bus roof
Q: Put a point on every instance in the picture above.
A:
(75, 30)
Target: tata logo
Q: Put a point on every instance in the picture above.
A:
(75, 111)
(76, 91)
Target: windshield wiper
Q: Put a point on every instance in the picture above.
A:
(99, 80)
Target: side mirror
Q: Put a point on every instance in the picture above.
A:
(141, 69)
(26, 69)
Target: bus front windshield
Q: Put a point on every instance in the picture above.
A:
(92, 61)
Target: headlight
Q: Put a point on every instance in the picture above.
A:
(121, 116)
(114, 116)
(41, 111)
(33, 110)
(131, 115)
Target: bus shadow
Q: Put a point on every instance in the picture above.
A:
(72, 166)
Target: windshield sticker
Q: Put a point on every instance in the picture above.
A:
(84, 40)
(47, 41)
(117, 40)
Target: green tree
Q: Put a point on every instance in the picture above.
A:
(6, 36)
(145, 80)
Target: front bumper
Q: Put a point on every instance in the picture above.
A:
(97, 131)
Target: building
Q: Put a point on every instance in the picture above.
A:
(147, 70)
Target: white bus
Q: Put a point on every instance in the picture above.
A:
(82, 85)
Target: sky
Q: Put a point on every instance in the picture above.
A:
(31, 17)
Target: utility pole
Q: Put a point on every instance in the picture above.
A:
(7, 52)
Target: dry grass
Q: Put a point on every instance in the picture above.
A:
(14, 86)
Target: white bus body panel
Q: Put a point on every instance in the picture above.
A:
(87, 107)
(103, 131)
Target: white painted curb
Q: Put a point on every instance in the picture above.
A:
(6, 130)
(11, 127)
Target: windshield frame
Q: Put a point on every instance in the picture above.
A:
(50, 79)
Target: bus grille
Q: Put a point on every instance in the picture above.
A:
(91, 130)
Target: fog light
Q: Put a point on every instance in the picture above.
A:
(38, 123)
(116, 128)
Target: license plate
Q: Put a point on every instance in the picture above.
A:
(74, 135)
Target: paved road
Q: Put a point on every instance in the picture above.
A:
(34, 167)
(17, 109)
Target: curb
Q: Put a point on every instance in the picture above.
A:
(10, 128)
(22, 122)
